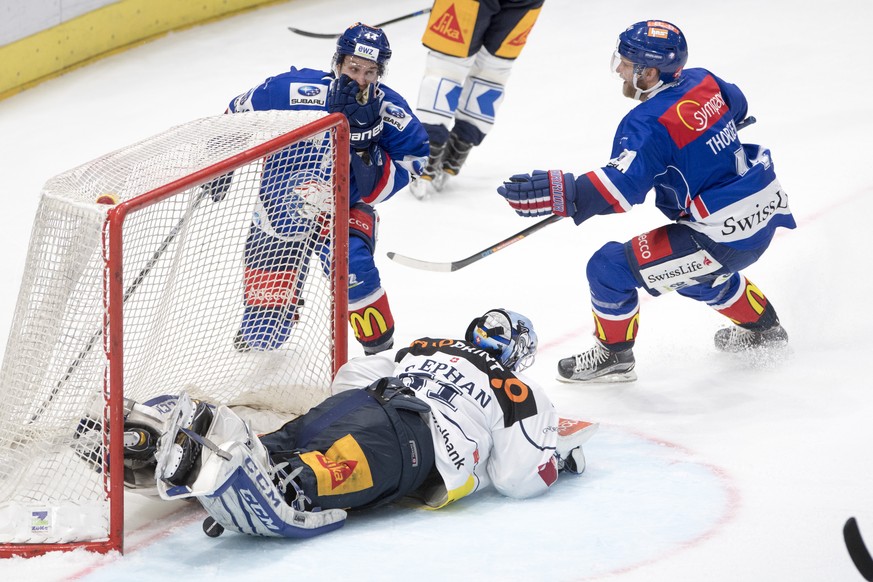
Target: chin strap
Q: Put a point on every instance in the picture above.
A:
(647, 92)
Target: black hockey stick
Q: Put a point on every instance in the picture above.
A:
(857, 550)
(379, 25)
(746, 122)
(455, 265)
(128, 292)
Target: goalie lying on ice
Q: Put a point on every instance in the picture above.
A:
(446, 418)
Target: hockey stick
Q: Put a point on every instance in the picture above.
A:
(746, 122)
(455, 265)
(128, 292)
(857, 550)
(379, 25)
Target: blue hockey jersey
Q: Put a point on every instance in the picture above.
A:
(683, 143)
(404, 141)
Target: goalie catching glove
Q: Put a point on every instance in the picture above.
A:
(363, 109)
(541, 193)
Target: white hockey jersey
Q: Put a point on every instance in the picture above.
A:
(490, 426)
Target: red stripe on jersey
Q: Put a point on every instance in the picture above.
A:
(602, 189)
(695, 112)
(702, 210)
(383, 180)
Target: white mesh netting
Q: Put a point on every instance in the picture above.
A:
(228, 295)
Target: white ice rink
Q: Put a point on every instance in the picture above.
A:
(710, 467)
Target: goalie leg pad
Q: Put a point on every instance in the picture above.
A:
(249, 502)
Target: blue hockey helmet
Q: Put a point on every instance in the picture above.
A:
(363, 41)
(507, 335)
(657, 44)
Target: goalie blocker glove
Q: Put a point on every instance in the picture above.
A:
(363, 109)
(541, 193)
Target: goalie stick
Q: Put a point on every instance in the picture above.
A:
(379, 25)
(857, 550)
(455, 265)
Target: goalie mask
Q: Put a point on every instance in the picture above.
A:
(507, 335)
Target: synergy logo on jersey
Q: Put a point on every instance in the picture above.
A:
(694, 113)
(447, 26)
(306, 94)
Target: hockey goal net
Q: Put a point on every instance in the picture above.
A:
(211, 258)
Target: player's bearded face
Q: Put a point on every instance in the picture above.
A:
(625, 70)
(362, 71)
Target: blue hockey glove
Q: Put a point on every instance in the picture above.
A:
(540, 193)
(217, 188)
(363, 109)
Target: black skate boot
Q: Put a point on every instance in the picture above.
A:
(456, 154)
(598, 365)
(736, 339)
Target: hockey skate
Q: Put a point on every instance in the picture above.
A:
(456, 154)
(598, 364)
(737, 339)
(432, 179)
(572, 434)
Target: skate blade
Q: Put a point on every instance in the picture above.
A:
(629, 376)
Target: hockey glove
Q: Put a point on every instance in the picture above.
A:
(363, 109)
(217, 188)
(541, 193)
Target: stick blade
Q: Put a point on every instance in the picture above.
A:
(422, 265)
(857, 550)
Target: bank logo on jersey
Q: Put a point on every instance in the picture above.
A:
(306, 94)
(695, 112)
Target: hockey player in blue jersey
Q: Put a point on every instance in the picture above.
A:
(388, 148)
(722, 195)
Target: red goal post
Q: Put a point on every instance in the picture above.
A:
(211, 258)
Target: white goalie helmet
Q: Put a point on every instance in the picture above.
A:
(508, 335)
